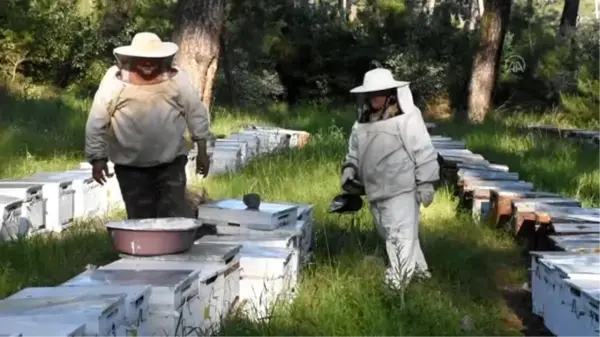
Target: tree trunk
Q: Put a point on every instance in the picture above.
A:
(198, 36)
(568, 19)
(227, 69)
(487, 60)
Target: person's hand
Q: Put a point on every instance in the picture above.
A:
(202, 163)
(425, 194)
(100, 171)
(348, 173)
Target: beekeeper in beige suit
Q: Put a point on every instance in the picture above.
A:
(138, 120)
(391, 154)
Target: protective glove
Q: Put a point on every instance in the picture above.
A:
(202, 160)
(100, 171)
(425, 194)
(348, 173)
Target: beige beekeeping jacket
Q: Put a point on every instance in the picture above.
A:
(394, 155)
(144, 125)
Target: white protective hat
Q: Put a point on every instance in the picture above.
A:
(147, 45)
(377, 80)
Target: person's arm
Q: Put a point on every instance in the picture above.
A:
(418, 142)
(196, 115)
(98, 122)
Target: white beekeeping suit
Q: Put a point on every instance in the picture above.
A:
(396, 162)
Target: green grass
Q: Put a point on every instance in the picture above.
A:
(341, 291)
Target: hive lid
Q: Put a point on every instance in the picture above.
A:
(59, 305)
(580, 265)
(265, 207)
(200, 251)
(256, 251)
(19, 184)
(44, 292)
(51, 177)
(158, 278)
(566, 212)
(564, 228)
(589, 287)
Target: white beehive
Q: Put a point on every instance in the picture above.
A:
(252, 140)
(542, 275)
(580, 300)
(275, 239)
(33, 201)
(136, 302)
(235, 144)
(227, 255)
(113, 189)
(102, 315)
(59, 194)
(173, 296)
(224, 160)
(91, 199)
(266, 278)
(211, 287)
(12, 224)
(583, 267)
(269, 216)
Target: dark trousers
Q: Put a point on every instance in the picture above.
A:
(154, 192)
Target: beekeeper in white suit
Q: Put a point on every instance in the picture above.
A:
(390, 153)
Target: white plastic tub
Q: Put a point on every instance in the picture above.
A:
(12, 225)
(102, 315)
(60, 198)
(173, 298)
(136, 302)
(209, 309)
(33, 202)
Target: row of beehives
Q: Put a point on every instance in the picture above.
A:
(561, 236)
(171, 295)
(50, 201)
(236, 264)
(582, 136)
